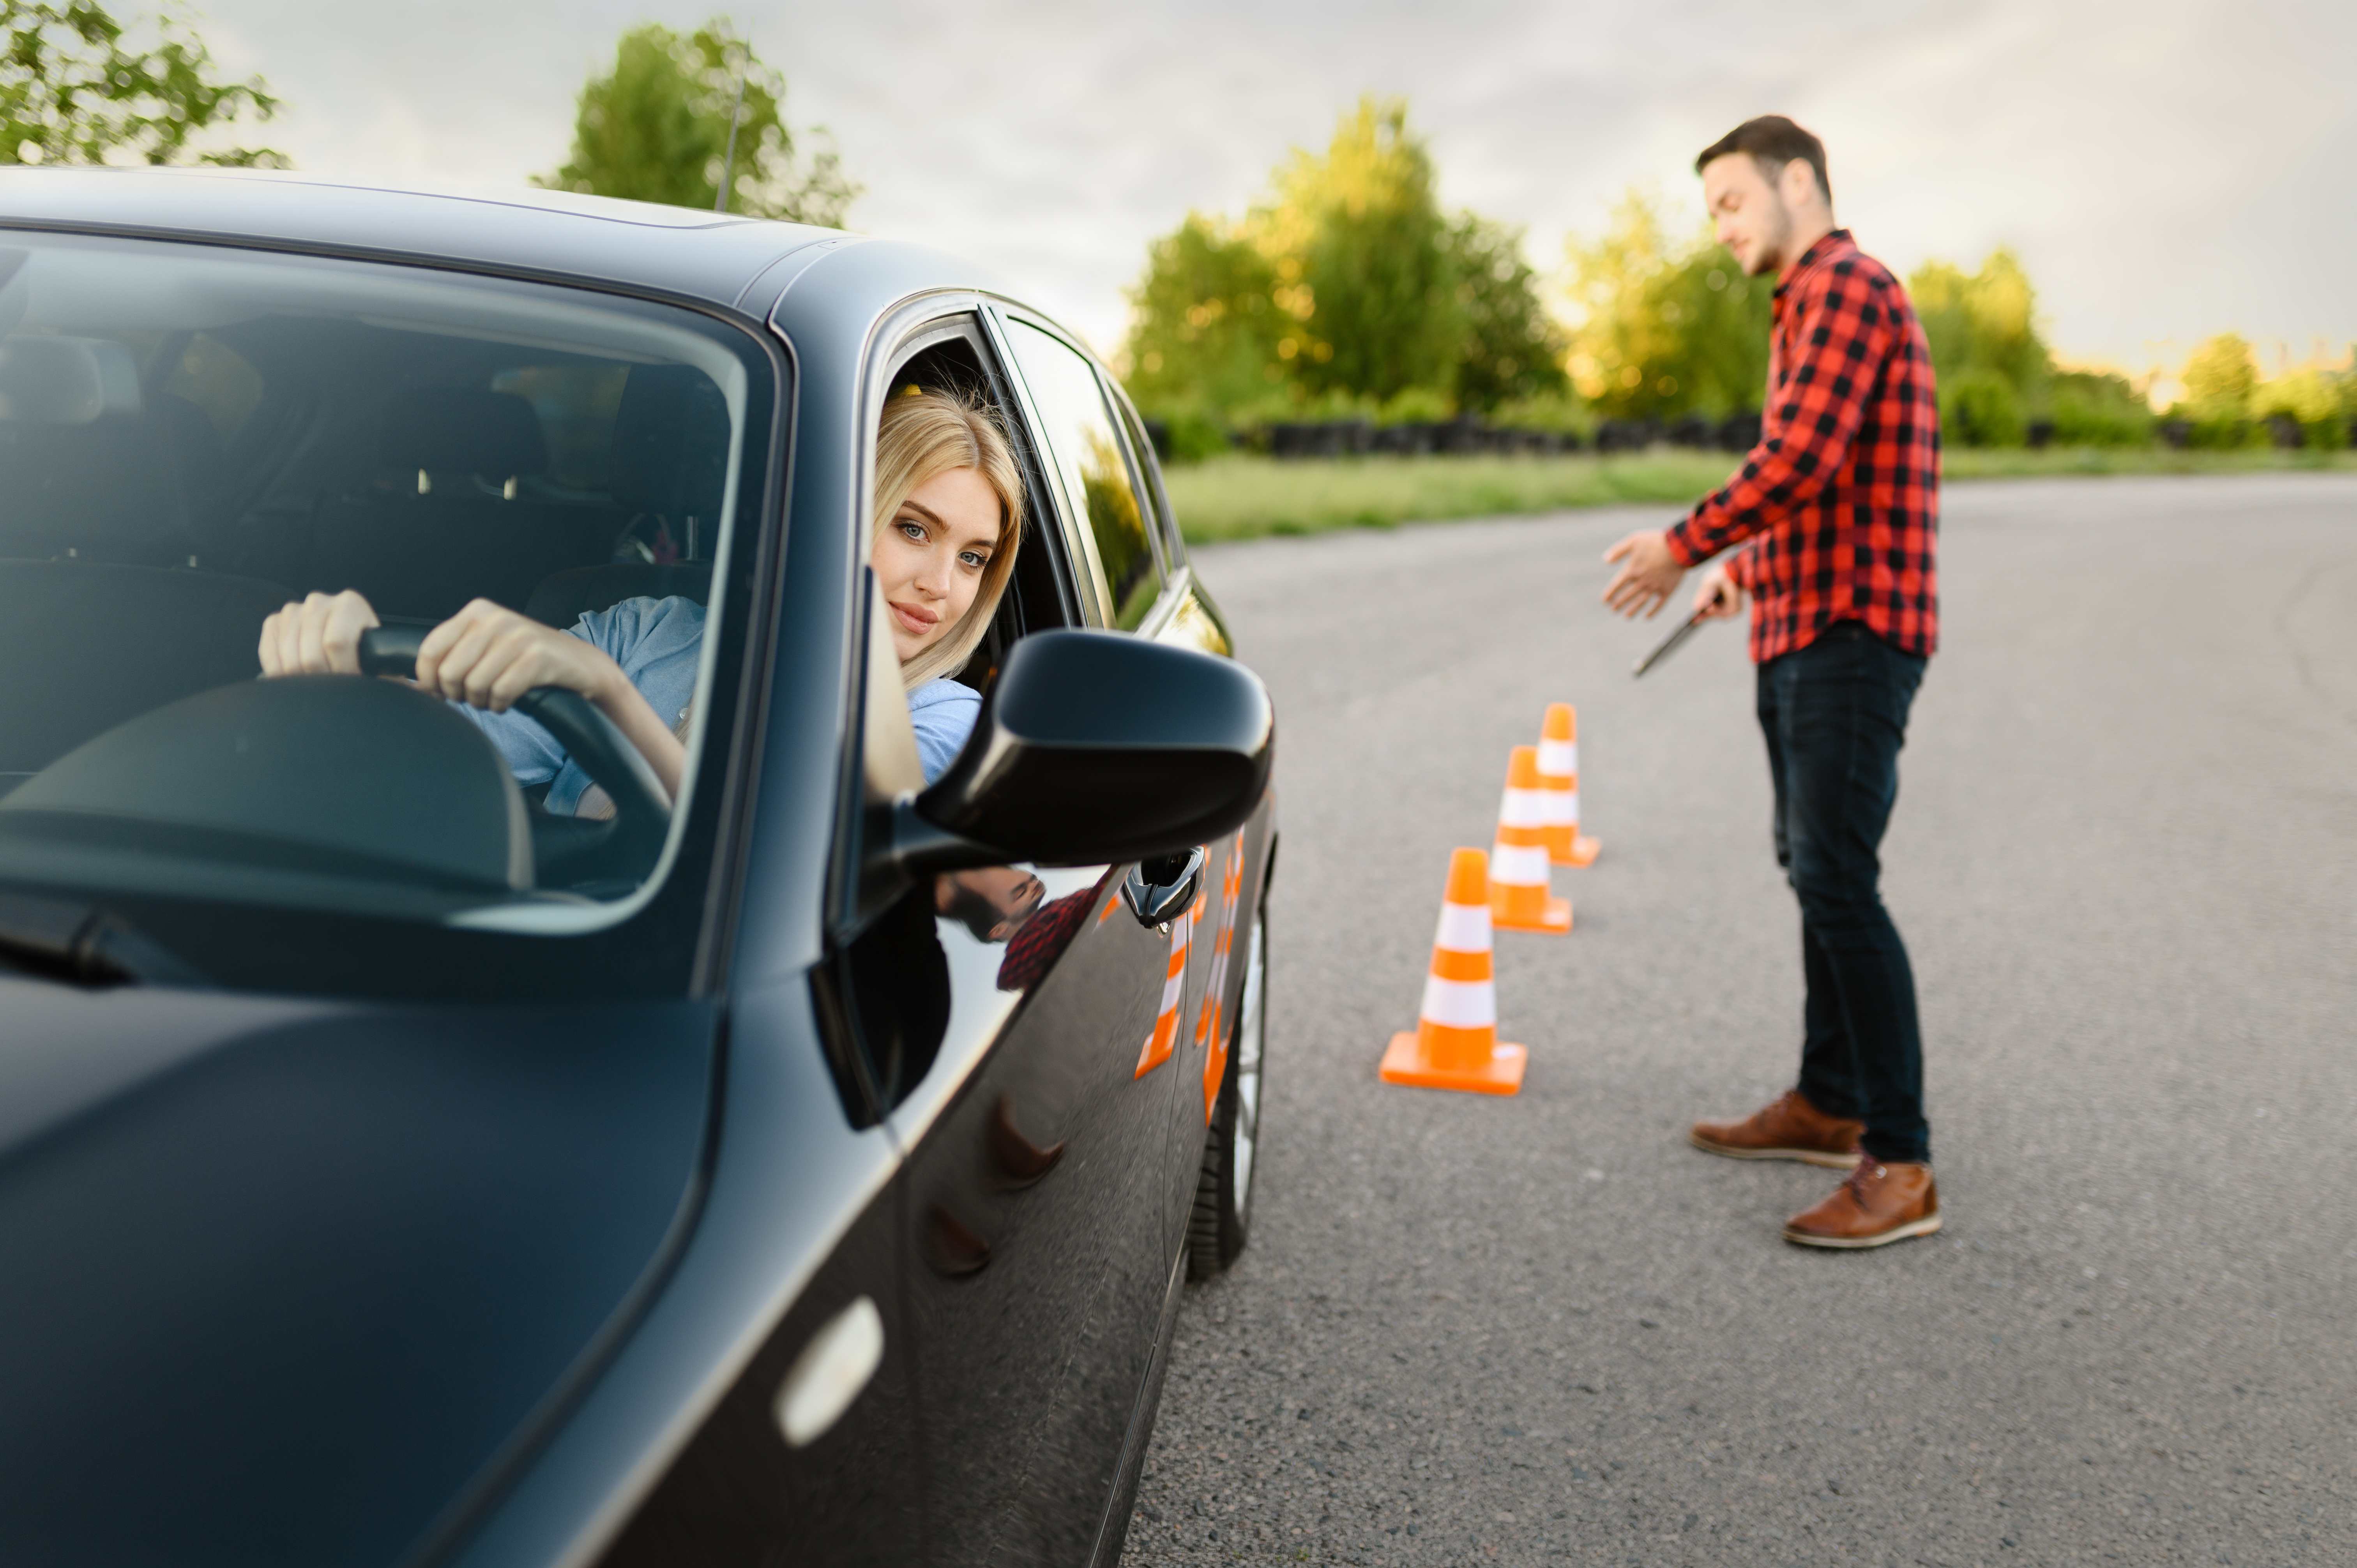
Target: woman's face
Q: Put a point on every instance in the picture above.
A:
(929, 559)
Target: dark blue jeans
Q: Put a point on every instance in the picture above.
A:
(1834, 714)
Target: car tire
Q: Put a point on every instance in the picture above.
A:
(1222, 1221)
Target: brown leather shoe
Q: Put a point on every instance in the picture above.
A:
(1875, 1205)
(1787, 1128)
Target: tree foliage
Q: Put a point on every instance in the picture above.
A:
(1983, 320)
(1512, 350)
(656, 128)
(1209, 320)
(1664, 326)
(79, 87)
(1348, 289)
(2095, 408)
(1992, 365)
(2220, 377)
(1360, 228)
(2323, 403)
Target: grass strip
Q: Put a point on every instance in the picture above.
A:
(1240, 496)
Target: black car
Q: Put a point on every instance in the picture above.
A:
(395, 1171)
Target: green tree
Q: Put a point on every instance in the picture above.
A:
(1373, 251)
(657, 128)
(2312, 397)
(77, 86)
(1978, 407)
(1664, 326)
(1348, 290)
(2220, 377)
(1982, 329)
(1510, 349)
(2094, 409)
(1207, 321)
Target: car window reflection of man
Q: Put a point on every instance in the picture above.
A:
(1041, 938)
(991, 902)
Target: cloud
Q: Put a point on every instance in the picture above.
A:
(2166, 169)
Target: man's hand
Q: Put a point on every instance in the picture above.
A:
(1716, 596)
(1649, 574)
(320, 636)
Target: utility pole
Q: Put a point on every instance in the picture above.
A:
(728, 163)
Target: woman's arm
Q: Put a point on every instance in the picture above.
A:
(487, 655)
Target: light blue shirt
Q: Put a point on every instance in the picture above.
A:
(656, 643)
(943, 712)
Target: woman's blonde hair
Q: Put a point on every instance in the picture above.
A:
(924, 434)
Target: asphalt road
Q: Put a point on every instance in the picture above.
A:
(1542, 1330)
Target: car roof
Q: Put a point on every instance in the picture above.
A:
(707, 257)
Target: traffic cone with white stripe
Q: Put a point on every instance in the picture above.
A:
(1559, 776)
(1519, 899)
(1174, 992)
(1455, 1045)
(1210, 1024)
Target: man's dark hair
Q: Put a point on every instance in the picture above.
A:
(1773, 141)
(976, 913)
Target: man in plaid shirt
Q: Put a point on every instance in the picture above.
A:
(1833, 522)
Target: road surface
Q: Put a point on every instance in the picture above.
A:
(1544, 1329)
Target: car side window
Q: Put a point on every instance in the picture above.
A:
(1080, 436)
(1149, 475)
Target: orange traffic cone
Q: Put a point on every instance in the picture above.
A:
(1210, 1024)
(1456, 1041)
(1559, 776)
(1519, 900)
(1174, 990)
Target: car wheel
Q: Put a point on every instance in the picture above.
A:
(1218, 1228)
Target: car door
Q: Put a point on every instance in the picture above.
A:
(1037, 1256)
(1182, 615)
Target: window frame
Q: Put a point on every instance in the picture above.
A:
(1173, 546)
(897, 336)
(1073, 510)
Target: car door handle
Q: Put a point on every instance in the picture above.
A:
(1159, 890)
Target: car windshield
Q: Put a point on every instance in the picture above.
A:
(193, 436)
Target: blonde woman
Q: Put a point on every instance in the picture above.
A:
(949, 515)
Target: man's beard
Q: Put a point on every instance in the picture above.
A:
(1770, 257)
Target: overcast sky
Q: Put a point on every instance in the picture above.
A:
(2166, 168)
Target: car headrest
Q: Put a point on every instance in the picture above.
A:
(65, 380)
(462, 430)
(670, 453)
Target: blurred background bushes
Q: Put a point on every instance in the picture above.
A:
(1664, 327)
(1347, 296)
(1347, 293)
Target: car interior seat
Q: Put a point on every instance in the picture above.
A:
(448, 519)
(668, 473)
(91, 468)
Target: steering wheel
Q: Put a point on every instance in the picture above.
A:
(565, 847)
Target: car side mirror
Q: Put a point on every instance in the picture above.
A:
(1092, 748)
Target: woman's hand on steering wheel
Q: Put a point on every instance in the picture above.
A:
(319, 636)
(488, 656)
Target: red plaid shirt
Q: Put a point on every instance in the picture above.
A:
(1842, 492)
